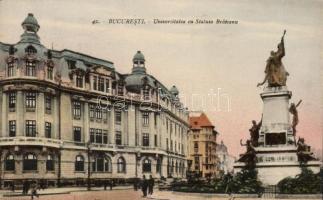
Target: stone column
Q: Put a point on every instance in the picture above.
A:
(131, 125)
(112, 126)
(151, 129)
(20, 114)
(86, 128)
(40, 113)
(4, 115)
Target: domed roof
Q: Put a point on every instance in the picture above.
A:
(135, 82)
(30, 23)
(174, 90)
(138, 56)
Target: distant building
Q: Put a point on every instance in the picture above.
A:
(53, 126)
(225, 160)
(202, 145)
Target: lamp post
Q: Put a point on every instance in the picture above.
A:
(88, 145)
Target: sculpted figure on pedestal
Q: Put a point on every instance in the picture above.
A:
(293, 111)
(276, 75)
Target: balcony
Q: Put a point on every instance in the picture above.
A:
(30, 141)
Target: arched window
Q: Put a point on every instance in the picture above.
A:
(9, 163)
(121, 164)
(50, 163)
(102, 164)
(30, 50)
(79, 163)
(29, 162)
(146, 165)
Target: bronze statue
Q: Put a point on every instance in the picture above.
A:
(276, 75)
(304, 151)
(254, 132)
(250, 156)
(293, 111)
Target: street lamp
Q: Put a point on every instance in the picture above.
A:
(88, 145)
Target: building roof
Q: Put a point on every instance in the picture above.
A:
(200, 120)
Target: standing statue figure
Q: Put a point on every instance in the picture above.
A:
(254, 132)
(276, 75)
(293, 111)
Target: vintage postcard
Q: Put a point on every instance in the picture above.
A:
(165, 99)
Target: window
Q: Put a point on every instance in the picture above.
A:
(92, 135)
(118, 138)
(105, 136)
(121, 165)
(71, 64)
(9, 164)
(30, 50)
(146, 166)
(50, 163)
(79, 163)
(92, 111)
(98, 112)
(120, 89)
(30, 68)
(76, 109)
(145, 118)
(12, 101)
(146, 93)
(95, 82)
(48, 104)
(117, 117)
(107, 86)
(30, 128)
(12, 128)
(29, 162)
(79, 81)
(98, 136)
(101, 84)
(197, 163)
(48, 130)
(102, 164)
(145, 139)
(30, 100)
(77, 134)
(11, 69)
(196, 147)
(49, 72)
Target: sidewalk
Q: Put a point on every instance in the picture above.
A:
(63, 190)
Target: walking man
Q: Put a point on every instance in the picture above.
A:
(144, 186)
(151, 184)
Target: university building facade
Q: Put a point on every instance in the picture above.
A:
(66, 117)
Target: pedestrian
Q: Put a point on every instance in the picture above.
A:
(135, 184)
(13, 186)
(144, 186)
(27, 187)
(34, 191)
(151, 184)
(111, 184)
(105, 184)
(24, 187)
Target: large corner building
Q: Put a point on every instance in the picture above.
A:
(66, 117)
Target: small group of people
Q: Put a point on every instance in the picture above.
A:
(147, 185)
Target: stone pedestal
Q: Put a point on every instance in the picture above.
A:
(276, 152)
